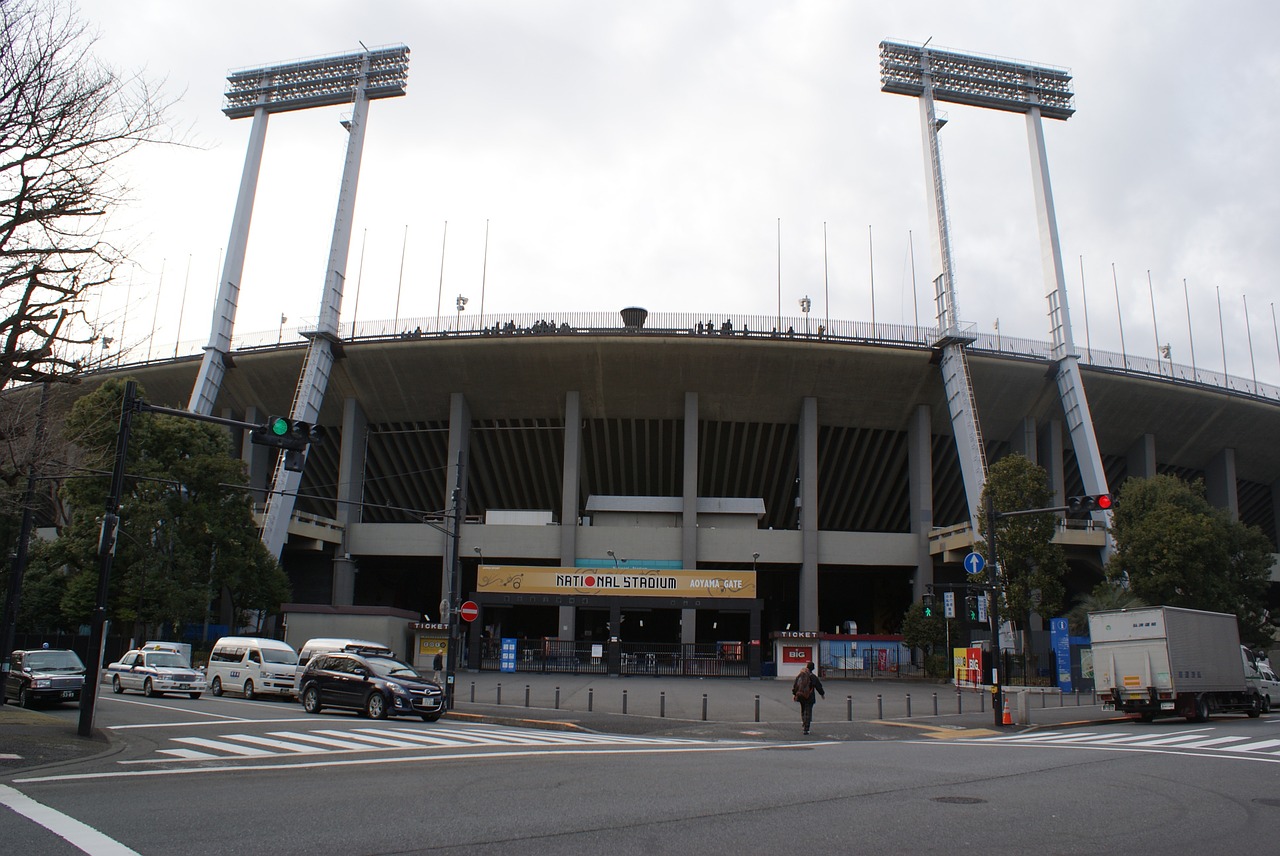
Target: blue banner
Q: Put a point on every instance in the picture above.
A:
(1060, 639)
(507, 661)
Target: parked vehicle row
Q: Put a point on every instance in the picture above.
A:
(352, 674)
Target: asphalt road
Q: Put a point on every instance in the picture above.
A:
(235, 777)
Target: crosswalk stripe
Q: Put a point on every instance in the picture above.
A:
(1213, 741)
(281, 745)
(222, 746)
(1255, 747)
(312, 737)
(188, 754)
(363, 735)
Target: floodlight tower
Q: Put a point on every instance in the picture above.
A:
(1034, 91)
(259, 92)
(352, 78)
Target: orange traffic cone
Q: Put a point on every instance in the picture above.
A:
(1008, 719)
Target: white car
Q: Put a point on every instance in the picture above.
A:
(155, 673)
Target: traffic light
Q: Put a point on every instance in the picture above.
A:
(971, 608)
(930, 609)
(1098, 502)
(283, 433)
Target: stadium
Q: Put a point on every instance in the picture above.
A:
(693, 485)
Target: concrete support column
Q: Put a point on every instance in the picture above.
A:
(569, 511)
(920, 474)
(1051, 458)
(809, 514)
(689, 521)
(1024, 440)
(1220, 482)
(1141, 458)
(459, 451)
(351, 466)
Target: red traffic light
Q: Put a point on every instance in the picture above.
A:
(1098, 502)
(1103, 501)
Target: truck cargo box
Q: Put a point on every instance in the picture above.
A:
(1166, 647)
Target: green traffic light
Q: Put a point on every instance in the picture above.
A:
(279, 426)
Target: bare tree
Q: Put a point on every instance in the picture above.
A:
(65, 120)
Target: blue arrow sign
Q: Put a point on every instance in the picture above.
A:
(974, 563)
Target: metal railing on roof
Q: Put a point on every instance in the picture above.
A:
(762, 327)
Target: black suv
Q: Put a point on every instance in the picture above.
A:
(373, 683)
(44, 675)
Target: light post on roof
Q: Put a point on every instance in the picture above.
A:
(805, 305)
(462, 304)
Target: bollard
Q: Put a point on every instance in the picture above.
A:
(908, 705)
(935, 704)
(982, 703)
(1061, 700)
(662, 704)
(473, 692)
(591, 700)
(959, 702)
(499, 693)
(757, 707)
(879, 706)
(704, 707)
(1044, 700)
(624, 701)
(526, 695)
(557, 698)
(848, 700)
(1077, 695)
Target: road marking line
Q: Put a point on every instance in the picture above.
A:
(220, 746)
(415, 759)
(312, 737)
(367, 738)
(180, 755)
(69, 829)
(1254, 747)
(282, 745)
(222, 721)
(1214, 741)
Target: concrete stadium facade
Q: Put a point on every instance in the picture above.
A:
(824, 461)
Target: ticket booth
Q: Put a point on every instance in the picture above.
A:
(792, 649)
(429, 639)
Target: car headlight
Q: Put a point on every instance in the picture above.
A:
(43, 683)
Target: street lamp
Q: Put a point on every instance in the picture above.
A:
(805, 305)
(755, 557)
(462, 304)
(615, 558)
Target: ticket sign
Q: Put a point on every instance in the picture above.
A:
(507, 657)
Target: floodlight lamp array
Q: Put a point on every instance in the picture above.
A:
(976, 80)
(317, 82)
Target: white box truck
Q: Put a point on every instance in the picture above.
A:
(1168, 661)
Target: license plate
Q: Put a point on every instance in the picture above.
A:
(68, 694)
(1108, 705)
(183, 686)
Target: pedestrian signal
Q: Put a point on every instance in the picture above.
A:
(930, 608)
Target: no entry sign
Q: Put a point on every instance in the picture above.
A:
(469, 611)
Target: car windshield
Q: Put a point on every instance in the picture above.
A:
(165, 659)
(287, 658)
(388, 668)
(54, 661)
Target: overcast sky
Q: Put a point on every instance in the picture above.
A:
(644, 153)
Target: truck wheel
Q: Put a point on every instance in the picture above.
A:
(1255, 707)
(1266, 704)
(1202, 708)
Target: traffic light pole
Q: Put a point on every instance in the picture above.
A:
(993, 610)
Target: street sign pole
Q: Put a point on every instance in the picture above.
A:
(997, 696)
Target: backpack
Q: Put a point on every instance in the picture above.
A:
(803, 687)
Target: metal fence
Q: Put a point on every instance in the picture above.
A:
(554, 656)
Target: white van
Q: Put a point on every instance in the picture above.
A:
(252, 666)
(326, 645)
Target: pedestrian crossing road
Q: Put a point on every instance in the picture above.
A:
(1257, 745)
(329, 741)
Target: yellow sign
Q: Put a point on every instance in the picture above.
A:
(632, 582)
